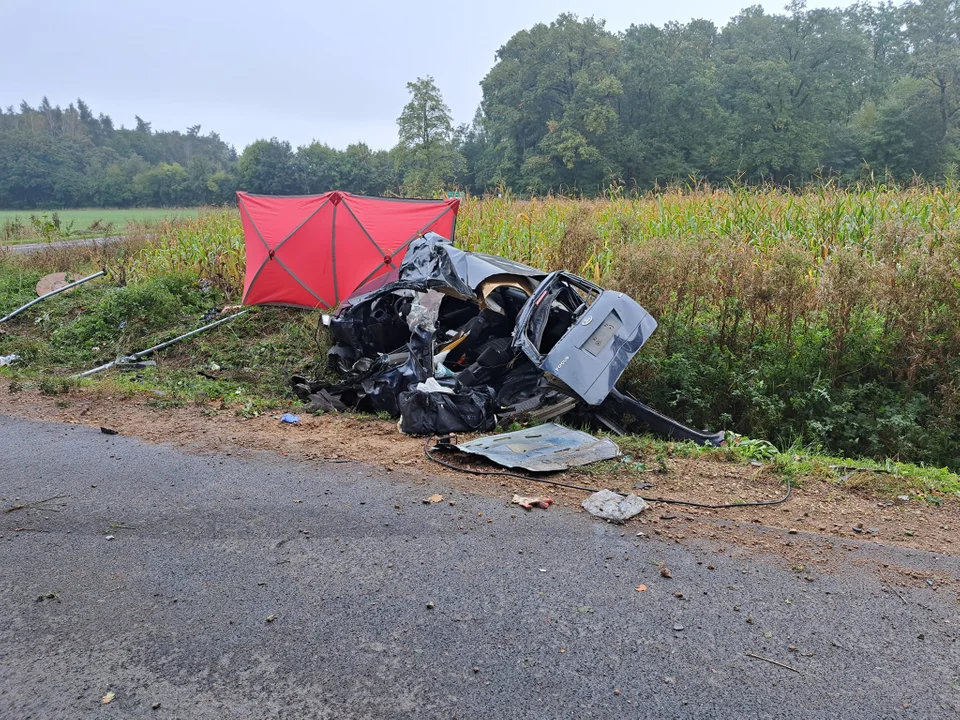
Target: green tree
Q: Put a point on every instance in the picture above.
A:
(672, 120)
(269, 167)
(319, 167)
(882, 26)
(790, 82)
(902, 134)
(550, 107)
(198, 188)
(426, 153)
(163, 185)
(933, 29)
(116, 183)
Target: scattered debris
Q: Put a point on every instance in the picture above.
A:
(55, 291)
(528, 503)
(857, 468)
(110, 537)
(290, 419)
(641, 588)
(773, 662)
(440, 411)
(8, 359)
(892, 587)
(48, 596)
(271, 618)
(430, 605)
(109, 431)
(135, 358)
(665, 572)
(54, 281)
(129, 365)
(435, 498)
(545, 448)
(319, 400)
(108, 698)
(35, 504)
(610, 506)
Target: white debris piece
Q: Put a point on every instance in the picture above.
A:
(431, 386)
(616, 508)
(8, 359)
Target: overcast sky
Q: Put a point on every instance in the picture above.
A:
(299, 70)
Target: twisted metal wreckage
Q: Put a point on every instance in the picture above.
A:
(456, 341)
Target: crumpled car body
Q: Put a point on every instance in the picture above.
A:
(542, 344)
(580, 334)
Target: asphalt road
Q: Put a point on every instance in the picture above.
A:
(23, 248)
(533, 616)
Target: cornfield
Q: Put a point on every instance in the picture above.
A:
(826, 317)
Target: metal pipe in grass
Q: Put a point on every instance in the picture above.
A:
(51, 294)
(149, 351)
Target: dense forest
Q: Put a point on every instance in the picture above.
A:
(869, 94)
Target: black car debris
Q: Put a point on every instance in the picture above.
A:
(458, 341)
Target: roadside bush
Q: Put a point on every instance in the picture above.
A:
(17, 287)
(134, 311)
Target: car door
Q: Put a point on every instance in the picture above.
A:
(581, 334)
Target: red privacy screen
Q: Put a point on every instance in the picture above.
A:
(315, 250)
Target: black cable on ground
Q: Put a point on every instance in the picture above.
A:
(756, 503)
(581, 488)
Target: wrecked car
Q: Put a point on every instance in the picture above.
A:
(496, 339)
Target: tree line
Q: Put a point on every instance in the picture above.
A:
(865, 94)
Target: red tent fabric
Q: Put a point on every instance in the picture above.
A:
(315, 250)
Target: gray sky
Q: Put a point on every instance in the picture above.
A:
(294, 69)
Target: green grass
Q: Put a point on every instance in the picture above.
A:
(252, 357)
(883, 479)
(83, 222)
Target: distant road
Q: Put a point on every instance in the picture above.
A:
(37, 247)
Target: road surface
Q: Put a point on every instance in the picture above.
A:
(23, 248)
(255, 586)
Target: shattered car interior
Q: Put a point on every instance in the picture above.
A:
(457, 341)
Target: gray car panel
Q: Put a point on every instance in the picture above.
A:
(600, 342)
(544, 448)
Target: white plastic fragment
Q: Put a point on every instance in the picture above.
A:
(8, 359)
(610, 506)
(424, 310)
(431, 386)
